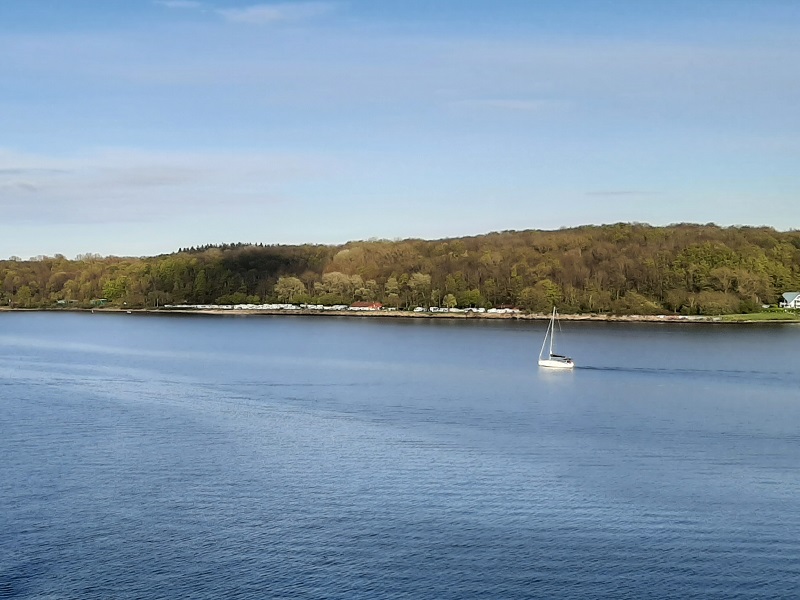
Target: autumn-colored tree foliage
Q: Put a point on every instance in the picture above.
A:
(622, 268)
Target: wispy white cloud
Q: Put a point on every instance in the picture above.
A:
(188, 4)
(26, 170)
(266, 14)
(511, 104)
(14, 186)
(115, 186)
(620, 193)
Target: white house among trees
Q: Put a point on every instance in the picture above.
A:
(791, 300)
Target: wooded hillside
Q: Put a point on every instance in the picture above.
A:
(621, 268)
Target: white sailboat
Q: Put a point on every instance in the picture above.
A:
(553, 360)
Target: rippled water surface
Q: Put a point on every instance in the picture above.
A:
(294, 457)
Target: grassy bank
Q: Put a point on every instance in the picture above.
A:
(762, 317)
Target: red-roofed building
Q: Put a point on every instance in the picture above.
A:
(366, 305)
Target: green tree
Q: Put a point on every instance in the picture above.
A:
(201, 286)
(420, 286)
(392, 287)
(289, 289)
(471, 299)
(24, 296)
(334, 288)
(634, 303)
(116, 288)
(534, 299)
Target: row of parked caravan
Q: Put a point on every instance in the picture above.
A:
(491, 311)
(280, 306)
(335, 307)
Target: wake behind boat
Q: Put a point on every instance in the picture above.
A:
(553, 360)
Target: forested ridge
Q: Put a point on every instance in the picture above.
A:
(622, 268)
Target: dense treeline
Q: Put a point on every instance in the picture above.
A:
(622, 268)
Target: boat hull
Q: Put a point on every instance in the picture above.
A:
(552, 363)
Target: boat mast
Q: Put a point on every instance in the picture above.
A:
(552, 330)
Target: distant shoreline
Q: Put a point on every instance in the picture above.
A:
(399, 314)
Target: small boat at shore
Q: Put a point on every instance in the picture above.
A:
(553, 360)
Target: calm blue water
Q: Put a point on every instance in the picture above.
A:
(293, 457)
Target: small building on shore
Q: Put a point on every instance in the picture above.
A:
(791, 300)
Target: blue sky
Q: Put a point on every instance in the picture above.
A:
(136, 127)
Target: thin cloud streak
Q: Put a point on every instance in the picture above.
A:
(268, 14)
(23, 171)
(24, 186)
(125, 185)
(621, 193)
(183, 4)
(511, 104)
